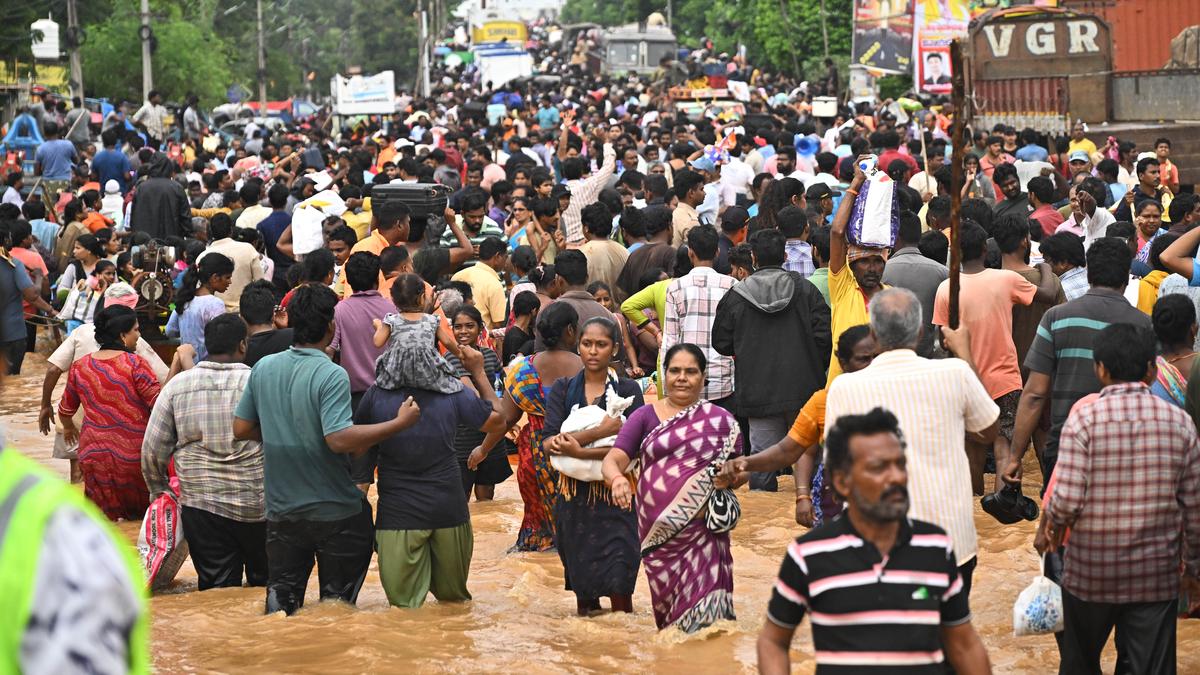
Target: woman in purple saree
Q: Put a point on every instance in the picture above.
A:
(679, 442)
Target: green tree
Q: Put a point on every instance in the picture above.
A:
(189, 58)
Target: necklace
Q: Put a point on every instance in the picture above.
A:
(1173, 359)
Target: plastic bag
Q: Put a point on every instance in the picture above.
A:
(589, 417)
(876, 215)
(1039, 608)
(160, 542)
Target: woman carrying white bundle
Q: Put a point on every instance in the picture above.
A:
(597, 540)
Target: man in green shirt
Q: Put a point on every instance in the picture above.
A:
(297, 403)
(818, 239)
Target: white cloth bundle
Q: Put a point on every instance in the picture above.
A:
(582, 418)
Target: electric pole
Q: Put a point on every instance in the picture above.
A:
(824, 29)
(147, 67)
(74, 37)
(262, 64)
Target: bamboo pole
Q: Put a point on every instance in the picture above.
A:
(961, 118)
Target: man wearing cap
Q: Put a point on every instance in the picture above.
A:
(855, 272)
(1080, 162)
(718, 195)
(819, 198)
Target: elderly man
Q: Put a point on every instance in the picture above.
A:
(937, 402)
(921, 616)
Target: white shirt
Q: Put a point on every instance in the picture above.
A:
(11, 196)
(738, 175)
(936, 403)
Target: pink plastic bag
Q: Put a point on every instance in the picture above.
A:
(160, 543)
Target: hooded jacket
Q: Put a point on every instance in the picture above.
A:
(775, 325)
(160, 204)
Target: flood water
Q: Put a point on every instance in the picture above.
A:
(521, 620)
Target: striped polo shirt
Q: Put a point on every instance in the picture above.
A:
(871, 612)
(1062, 349)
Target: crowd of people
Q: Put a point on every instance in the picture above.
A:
(598, 248)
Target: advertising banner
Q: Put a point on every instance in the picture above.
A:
(364, 94)
(883, 35)
(936, 23)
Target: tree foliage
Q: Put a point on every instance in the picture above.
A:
(207, 46)
(782, 35)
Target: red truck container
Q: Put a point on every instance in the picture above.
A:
(1141, 29)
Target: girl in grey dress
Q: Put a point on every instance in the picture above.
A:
(411, 359)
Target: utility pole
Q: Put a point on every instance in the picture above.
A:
(147, 67)
(423, 55)
(74, 36)
(824, 29)
(262, 64)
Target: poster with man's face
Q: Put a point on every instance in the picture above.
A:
(935, 68)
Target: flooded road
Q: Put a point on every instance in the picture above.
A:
(521, 620)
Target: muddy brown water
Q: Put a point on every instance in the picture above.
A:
(521, 620)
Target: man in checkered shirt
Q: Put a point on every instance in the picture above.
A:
(1128, 484)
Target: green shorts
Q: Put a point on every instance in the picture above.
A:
(413, 563)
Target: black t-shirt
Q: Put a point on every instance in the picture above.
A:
(420, 486)
(266, 343)
(516, 341)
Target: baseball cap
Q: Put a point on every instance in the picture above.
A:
(735, 217)
(703, 164)
(818, 191)
(1080, 156)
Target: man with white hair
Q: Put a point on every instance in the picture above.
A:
(937, 403)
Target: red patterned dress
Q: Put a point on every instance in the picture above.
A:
(117, 394)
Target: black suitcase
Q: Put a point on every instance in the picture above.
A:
(423, 199)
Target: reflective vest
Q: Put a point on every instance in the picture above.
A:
(29, 496)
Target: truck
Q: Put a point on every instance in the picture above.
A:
(1045, 67)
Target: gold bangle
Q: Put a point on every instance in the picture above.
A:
(807, 496)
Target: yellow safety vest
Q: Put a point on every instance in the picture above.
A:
(29, 496)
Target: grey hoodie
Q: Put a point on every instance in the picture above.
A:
(769, 289)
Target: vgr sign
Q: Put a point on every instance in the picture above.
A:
(1044, 38)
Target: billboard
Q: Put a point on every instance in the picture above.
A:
(883, 35)
(936, 23)
(364, 94)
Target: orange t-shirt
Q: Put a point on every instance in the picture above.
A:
(809, 426)
(985, 302)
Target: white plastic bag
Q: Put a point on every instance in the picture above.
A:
(1039, 608)
(589, 417)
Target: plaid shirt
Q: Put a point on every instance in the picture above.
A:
(1128, 484)
(691, 308)
(192, 421)
(799, 258)
(1075, 283)
(584, 191)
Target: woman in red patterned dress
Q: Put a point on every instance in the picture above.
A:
(117, 389)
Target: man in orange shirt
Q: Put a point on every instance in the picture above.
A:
(389, 227)
(986, 301)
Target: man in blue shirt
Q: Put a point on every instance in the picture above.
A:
(297, 403)
(272, 227)
(56, 157)
(1030, 151)
(44, 232)
(110, 163)
(547, 114)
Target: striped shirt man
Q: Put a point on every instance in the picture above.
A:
(1062, 349)
(936, 403)
(868, 611)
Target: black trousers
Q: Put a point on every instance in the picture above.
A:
(1145, 636)
(14, 354)
(342, 550)
(221, 548)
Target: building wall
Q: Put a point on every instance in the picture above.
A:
(1141, 29)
